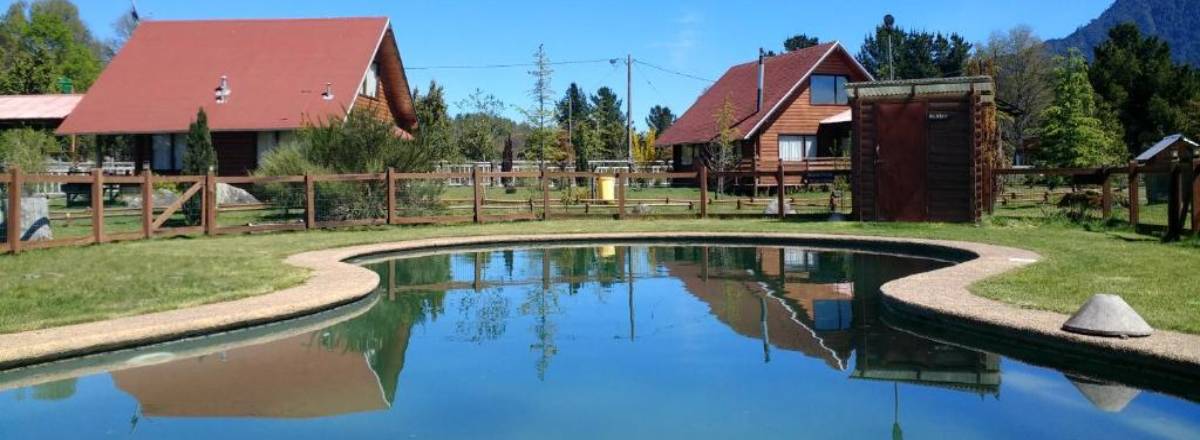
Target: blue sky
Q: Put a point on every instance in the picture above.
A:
(699, 37)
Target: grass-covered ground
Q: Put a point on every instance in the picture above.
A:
(69, 285)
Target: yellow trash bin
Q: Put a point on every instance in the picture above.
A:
(608, 187)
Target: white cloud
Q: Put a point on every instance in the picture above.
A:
(681, 45)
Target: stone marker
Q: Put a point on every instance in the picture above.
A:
(1107, 397)
(1107, 315)
(35, 219)
(773, 208)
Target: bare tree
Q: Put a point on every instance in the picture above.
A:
(1023, 70)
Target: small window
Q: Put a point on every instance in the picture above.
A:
(828, 90)
(370, 85)
(179, 150)
(797, 147)
(161, 153)
(686, 155)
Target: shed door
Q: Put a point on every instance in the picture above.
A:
(900, 167)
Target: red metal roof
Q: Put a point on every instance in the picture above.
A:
(783, 74)
(31, 107)
(277, 71)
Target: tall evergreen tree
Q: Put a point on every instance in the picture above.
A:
(799, 41)
(609, 122)
(916, 54)
(1073, 132)
(660, 118)
(542, 144)
(1151, 96)
(574, 109)
(434, 133)
(200, 156)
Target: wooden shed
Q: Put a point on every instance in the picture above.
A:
(923, 149)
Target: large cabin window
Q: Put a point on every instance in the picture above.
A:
(828, 90)
(370, 85)
(797, 147)
(168, 151)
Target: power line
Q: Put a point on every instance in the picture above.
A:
(673, 72)
(510, 65)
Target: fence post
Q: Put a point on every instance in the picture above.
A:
(1134, 197)
(1106, 194)
(147, 204)
(1195, 199)
(13, 223)
(476, 201)
(97, 205)
(620, 196)
(391, 195)
(780, 190)
(310, 202)
(1174, 204)
(209, 203)
(545, 195)
(702, 174)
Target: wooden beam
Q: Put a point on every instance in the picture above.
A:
(391, 195)
(13, 223)
(147, 204)
(97, 205)
(208, 210)
(620, 196)
(310, 202)
(1106, 196)
(1134, 197)
(780, 190)
(175, 206)
(477, 200)
(702, 176)
(545, 195)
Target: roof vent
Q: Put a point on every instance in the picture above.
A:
(328, 93)
(222, 91)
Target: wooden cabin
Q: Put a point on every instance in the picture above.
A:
(258, 81)
(790, 108)
(923, 149)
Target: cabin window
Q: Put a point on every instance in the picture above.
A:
(793, 147)
(687, 154)
(370, 85)
(828, 90)
(168, 151)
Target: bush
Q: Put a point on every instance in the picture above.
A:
(26, 148)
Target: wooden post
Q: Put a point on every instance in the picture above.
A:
(391, 195)
(620, 196)
(702, 175)
(1106, 194)
(209, 205)
(13, 223)
(1174, 204)
(310, 202)
(780, 189)
(545, 195)
(478, 199)
(1134, 197)
(147, 204)
(1195, 199)
(97, 205)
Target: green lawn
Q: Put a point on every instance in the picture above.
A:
(68, 285)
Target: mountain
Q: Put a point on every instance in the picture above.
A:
(1175, 21)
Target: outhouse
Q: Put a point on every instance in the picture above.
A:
(923, 149)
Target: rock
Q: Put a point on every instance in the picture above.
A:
(773, 208)
(642, 209)
(1107, 315)
(231, 195)
(162, 199)
(35, 220)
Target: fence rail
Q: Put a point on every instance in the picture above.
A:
(105, 210)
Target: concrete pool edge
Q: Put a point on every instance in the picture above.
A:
(940, 295)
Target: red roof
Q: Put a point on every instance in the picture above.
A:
(783, 74)
(29, 107)
(277, 71)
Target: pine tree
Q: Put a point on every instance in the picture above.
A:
(200, 156)
(916, 54)
(799, 41)
(543, 140)
(1073, 132)
(660, 118)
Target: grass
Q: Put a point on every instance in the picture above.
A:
(70, 285)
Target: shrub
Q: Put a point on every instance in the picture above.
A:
(26, 148)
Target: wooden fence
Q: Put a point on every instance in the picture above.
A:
(199, 194)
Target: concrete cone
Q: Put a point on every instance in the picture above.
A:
(1107, 315)
(1107, 397)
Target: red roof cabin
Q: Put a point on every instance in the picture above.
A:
(791, 108)
(258, 81)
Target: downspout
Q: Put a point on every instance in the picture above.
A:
(758, 103)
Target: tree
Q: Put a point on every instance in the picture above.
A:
(609, 123)
(44, 43)
(480, 127)
(200, 156)
(123, 28)
(660, 118)
(723, 154)
(1023, 71)
(543, 141)
(644, 151)
(916, 54)
(799, 41)
(1073, 133)
(26, 148)
(573, 112)
(434, 133)
(1150, 95)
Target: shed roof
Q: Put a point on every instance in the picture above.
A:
(783, 76)
(1163, 145)
(33, 107)
(277, 71)
(922, 87)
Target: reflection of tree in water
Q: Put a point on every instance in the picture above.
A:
(57, 390)
(541, 302)
(483, 316)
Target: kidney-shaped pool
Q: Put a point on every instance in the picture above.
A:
(644, 341)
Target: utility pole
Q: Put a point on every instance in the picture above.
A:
(629, 106)
(888, 22)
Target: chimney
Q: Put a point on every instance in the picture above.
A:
(761, 72)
